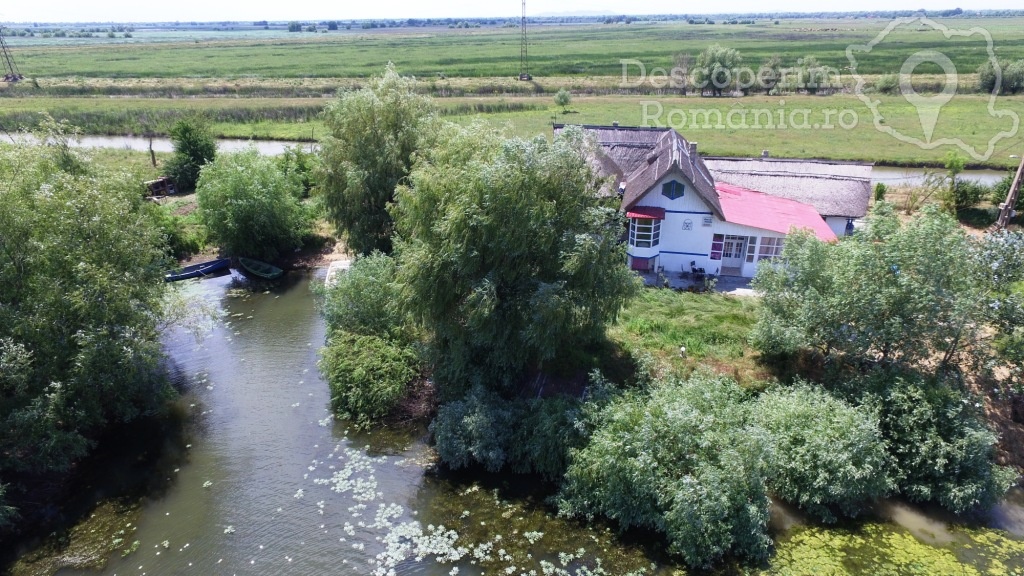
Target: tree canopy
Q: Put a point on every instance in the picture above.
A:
(374, 134)
(250, 207)
(81, 292)
(194, 147)
(506, 256)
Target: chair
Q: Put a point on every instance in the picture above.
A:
(698, 273)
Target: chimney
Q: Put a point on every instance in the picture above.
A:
(615, 123)
(764, 154)
(693, 150)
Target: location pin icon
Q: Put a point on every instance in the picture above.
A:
(928, 107)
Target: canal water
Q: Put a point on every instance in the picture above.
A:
(889, 175)
(271, 484)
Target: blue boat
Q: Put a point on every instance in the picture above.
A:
(198, 270)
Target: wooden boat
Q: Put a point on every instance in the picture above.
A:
(261, 269)
(198, 270)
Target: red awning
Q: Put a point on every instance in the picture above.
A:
(646, 212)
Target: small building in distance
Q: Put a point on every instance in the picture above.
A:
(723, 215)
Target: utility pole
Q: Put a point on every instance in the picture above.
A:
(1006, 211)
(524, 62)
(11, 73)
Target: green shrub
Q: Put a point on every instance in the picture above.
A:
(366, 299)
(942, 449)
(888, 84)
(367, 375)
(968, 193)
(181, 241)
(880, 190)
(824, 454)
(1000, 190)
(249, 207)
(680, 461)
(523, 436)
(194, 147)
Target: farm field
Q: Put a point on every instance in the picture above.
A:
(577, 50)
(270, 84)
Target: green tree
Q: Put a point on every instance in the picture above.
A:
(367, 300)
(716, 69)
(823, 455)
(194, 147)
(954, 164)
(680, 461)
(374, 134)
(294, 26)
(896, 293)
(770, 73)
(81, 292)
(367, 375)
(563, 98)
(506, 256)
(250, 207)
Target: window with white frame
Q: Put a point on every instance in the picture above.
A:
(644, 232)
(770, 248)
(751, 248)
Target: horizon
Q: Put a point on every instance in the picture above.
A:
(125, 11)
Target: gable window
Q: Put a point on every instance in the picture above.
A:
(644, 232)
(770, 248)
(672, 190)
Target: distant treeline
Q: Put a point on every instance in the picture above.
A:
(724, 18)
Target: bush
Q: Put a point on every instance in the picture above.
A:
(1013, 77)
(1000, 190)
(367, 375)
(679, 461)
(524, 436)
(563, 98)
(250, 207)
(824, 454)
(888, 84)
(943, 451)
(968, 193)
(880, 191)
(194, 147)
(366, 299)
(298, 165)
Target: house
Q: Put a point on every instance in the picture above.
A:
(727, 219)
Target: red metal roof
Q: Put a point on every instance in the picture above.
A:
(759, 210)
(646, 212)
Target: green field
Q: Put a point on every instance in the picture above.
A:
(582, 50)
(272, 84)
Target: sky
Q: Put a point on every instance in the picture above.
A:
(252, 10)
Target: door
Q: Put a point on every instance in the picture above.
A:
(732, 251)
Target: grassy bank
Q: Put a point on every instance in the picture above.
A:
(838, 127)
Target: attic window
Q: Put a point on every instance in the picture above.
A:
(673, 189)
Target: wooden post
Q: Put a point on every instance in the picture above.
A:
(1006, 210)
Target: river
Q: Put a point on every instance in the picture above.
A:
(270, 484)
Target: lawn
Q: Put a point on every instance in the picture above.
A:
(712, 327)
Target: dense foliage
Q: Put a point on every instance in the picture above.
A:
(250, 207)
(366, 299)
(81, 289)
(369, 360)
(194, 147)
(823, 455)
(897, 293)
(367, 375)
(506, 257)
(679, 460)
(522, 436)
(913, 307)
(715, 69)
(942, 449)
(374, 134)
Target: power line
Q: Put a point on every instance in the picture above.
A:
(524, 61)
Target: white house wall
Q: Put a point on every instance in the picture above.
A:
(678, 247)
(837, 224)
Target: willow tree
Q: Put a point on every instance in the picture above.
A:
(374, 135)
(81, 292)
(506, 256)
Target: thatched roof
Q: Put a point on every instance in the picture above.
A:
(840, 189)
(638, 158)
